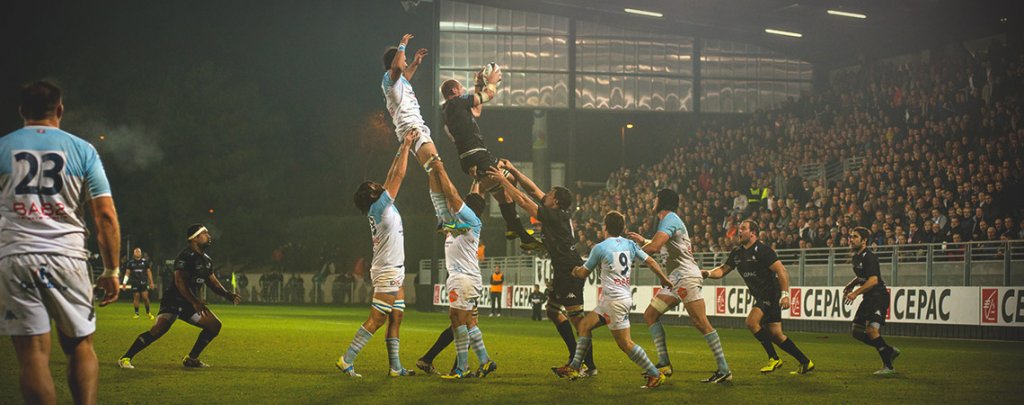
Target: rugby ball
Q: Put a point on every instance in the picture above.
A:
(491, 68)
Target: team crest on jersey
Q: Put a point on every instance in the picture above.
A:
(453, 296)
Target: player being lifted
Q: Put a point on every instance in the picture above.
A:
(768, 281)
(614, 257)
(464, 284)
(139, 275)
(871, 312)
(565, 304)
(387, 271)
(461, 108)
(193, 268)
(405, 114)
(686, 285)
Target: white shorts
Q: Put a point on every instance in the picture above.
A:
(387, 280)
(424, 137)
(463, 291)
(615, 313)
(37, 287)
(684, 289)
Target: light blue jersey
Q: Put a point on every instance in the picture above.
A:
(680, 254)
(46, 177)
(614, 258)
(402, 105)
(460, 250)
(388, 235)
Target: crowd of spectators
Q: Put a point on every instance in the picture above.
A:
(940, 146)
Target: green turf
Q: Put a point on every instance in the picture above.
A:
(287, 354)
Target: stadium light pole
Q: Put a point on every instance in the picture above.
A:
(622, 136)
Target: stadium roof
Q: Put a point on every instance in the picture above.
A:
(891, 27)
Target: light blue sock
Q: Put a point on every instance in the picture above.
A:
(396, 363)
(658, 334)
(716, 348)
(462, 347)
(582, 346)
(640, 358)
(362, 336)
(476, 339)
(440, 206)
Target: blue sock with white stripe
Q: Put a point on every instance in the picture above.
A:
(396, 363)
(640, 358)
(362, 336)
(658, 334)
(462, 347)
(716, 348)
(476, 339)
(440, 206)
(582, 346)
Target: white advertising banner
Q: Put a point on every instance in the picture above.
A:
(985, 306)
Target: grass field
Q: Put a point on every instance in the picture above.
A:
(267, 355)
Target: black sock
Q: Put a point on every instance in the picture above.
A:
(136, 310)
(205, 337)
(565, 330)
(144, 339)
(863, 337)
(147, 309)
(443, 340)
(791, 348)
(884, 350)
(508, 212)
(766, 342)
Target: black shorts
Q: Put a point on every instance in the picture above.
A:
(872, 310)
(180, 308)
(566, 291)
(140, 287)
(482, 160)
(770, 307)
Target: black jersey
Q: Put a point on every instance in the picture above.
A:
(559, 238)
(137, 270)
(753, 265)
(865, 265)
(196, 269)
(460, 124)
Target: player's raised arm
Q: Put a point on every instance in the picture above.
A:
(397, 172)
(417, 58)
(486, 93)
(649, 246)
(399, 60)
(528, 185)
(451, 194)
(513, 193)
(108, 235)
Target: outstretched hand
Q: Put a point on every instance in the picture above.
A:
(406, 38)
(418, 58)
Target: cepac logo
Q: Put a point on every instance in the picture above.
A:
(888, 309)
(719, 300)
(989, 305)
(795, 302)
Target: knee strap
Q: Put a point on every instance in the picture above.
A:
(381, 306)
(399, 306)
(659, 305)
(573, 313)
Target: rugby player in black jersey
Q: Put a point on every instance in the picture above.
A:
(565, 304)
(460, 111)
(871, 313)
(768, 282)
(192, 269)
(139, 275)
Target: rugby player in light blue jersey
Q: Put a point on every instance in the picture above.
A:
(405, 115)
(47, 178)
(387, 271)
(614, 258)
(686, 286)
(464, 285)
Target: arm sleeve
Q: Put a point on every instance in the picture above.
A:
(382, 203)
(667, 227)
(95, 176)
(767, 256)
(641, 256)
(595, 258)
(731, 261)
(871, 267)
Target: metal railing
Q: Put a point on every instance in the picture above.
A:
(993, 263)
